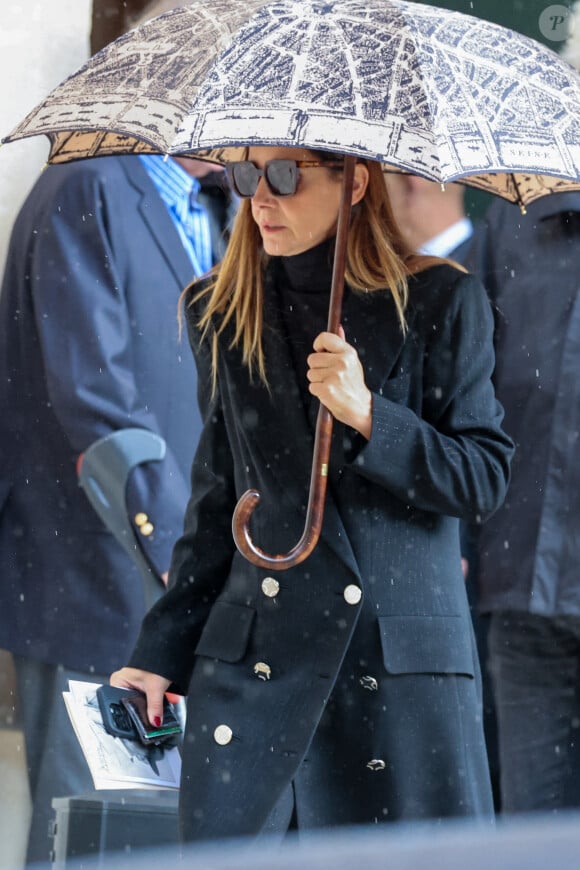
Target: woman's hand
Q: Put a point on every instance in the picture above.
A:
(337, 378)
(153, 685)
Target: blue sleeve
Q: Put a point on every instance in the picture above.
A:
(78, 279)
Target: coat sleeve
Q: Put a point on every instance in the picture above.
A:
(202, 557)
(77, 275)
(450, 456)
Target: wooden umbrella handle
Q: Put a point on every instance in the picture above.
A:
(319, 476)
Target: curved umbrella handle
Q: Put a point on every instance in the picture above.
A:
(319, 476)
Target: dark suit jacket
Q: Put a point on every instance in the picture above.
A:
(436, 454)
(88, 345)
(530, 551)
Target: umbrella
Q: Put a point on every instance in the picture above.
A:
(421, 89)
(426, 90)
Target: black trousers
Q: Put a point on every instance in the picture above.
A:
(535, 665)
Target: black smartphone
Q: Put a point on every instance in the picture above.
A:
(116, 719)
(135, 703)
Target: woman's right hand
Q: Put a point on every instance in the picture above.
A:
(153, 685)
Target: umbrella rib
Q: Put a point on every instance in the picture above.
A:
(300, 62)
(519, 199)
(358, 98)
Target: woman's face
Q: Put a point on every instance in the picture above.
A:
(292, 224)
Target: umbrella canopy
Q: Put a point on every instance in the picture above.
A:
(422, 89)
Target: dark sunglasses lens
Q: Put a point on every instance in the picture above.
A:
(245, 177)
(282, 176)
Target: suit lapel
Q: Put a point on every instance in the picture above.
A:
(371, 325)
(157, 218)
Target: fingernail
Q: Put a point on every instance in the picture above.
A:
(157, 721)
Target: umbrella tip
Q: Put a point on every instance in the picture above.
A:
(523, 209)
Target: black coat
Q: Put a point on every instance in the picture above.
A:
(401, 734)
(529, 552)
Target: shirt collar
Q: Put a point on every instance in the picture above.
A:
(445, 243)
(168, 175)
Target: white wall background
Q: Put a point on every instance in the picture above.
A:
(41, 43)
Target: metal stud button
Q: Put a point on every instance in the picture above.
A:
(262, 671)
(352, 594)
(223, 735)
(146, 529)
(141, 519)
(368, 682)
(270, 587)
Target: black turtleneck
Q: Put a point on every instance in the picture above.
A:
(303, 285)
(303, 288)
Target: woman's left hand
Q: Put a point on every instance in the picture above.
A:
(336, 377)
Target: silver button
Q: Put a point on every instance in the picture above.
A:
(270, 587)
(369, 683)
(223, 735)
(376, 764)
(352, 594)
(262, 671)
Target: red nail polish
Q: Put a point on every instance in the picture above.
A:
(157, 721)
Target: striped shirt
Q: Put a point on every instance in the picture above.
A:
(179, 192)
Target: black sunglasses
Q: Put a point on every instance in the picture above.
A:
(281, 176)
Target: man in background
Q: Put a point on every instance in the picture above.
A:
(529, 552)
(434, 222)
(99, 255)
(431, 216)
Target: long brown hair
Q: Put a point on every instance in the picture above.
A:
(377, 259)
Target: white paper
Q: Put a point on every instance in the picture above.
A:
(113, 761)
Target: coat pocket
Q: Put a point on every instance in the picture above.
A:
(226, 632)
(426, 645)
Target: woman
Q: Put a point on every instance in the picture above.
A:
(344, 690)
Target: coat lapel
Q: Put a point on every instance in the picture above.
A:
(371, 326)
(155, 215)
